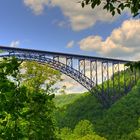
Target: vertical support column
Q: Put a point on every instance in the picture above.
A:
(132, 78)
(129, 79)
(113, 68)
(108, 90)
(11, 53)
(82, 66)
(69, 62)
(93, 72)
(138, 73)
(41, 57)
(135, 75)
(105, 75)
(119, 76)
(56, 58)
(124, 74)
(116, 74)
(102, 70)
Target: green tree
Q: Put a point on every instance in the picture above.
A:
(92, 137)
(39, 80)
(24, 113)
(12, 98)
(66, 134)
(84, 130)
(136, 134)
(133, 65)
(38, 77)
(63, 90)
(38, 113)
(115, 6)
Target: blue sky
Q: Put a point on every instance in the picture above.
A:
(63, 26)
(41, 31)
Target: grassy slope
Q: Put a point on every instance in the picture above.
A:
(112, 123)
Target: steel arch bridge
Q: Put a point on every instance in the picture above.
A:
(101, 76)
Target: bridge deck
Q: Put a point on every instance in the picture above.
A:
(76, 56)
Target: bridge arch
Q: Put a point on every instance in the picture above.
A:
(91, 82)
(57, 65)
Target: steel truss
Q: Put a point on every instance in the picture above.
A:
(92, 72)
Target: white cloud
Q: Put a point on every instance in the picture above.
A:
(70, 44)
(71, 85)
(123, 41)
(91, 43)
(82, 18)
(36, 5)
(15, 43)
(79, 18)
(63, 24)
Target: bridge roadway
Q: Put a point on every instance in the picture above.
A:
(75, 56)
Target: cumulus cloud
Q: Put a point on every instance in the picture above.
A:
(15, 43)
(91, 43)
(36, 5)
(123, 41)
(79, 18)
(70, 44)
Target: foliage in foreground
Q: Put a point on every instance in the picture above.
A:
(24, 114)
(115, 6)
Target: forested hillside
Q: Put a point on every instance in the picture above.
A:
(29, 112)
(119, 122)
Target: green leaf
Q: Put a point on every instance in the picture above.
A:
(87, 2)
(93, 5)
(113, 13)
(111, 7)
(121, 6)
(98, 2)
(119, 11)
(136, 14)
(105, 7)
(82, 4)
